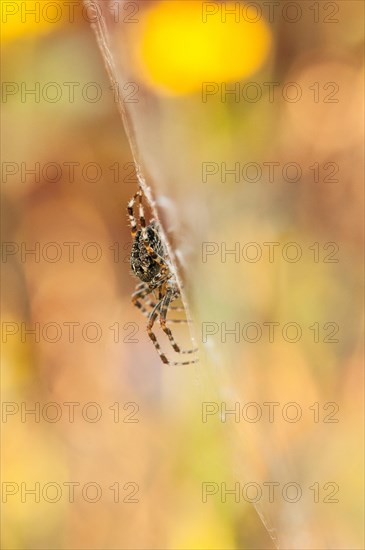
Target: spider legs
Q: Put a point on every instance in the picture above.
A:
(161, 309)
(130, 209)
(137, 296)
(165, 306)
(154, 296)
(141, 301)
(140, 293)
(151, 321)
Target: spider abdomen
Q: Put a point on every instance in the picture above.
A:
(142, 262)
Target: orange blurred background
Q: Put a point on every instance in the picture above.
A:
(223, 103)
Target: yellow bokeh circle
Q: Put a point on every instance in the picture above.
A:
(182, 44)
(30, 18)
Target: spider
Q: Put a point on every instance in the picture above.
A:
(149, 262)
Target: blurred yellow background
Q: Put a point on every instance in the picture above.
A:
(247, 122)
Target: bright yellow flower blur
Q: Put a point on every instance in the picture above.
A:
(185, 43)
(28, 18)
(195, 534)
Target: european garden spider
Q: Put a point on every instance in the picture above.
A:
(149, 262)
